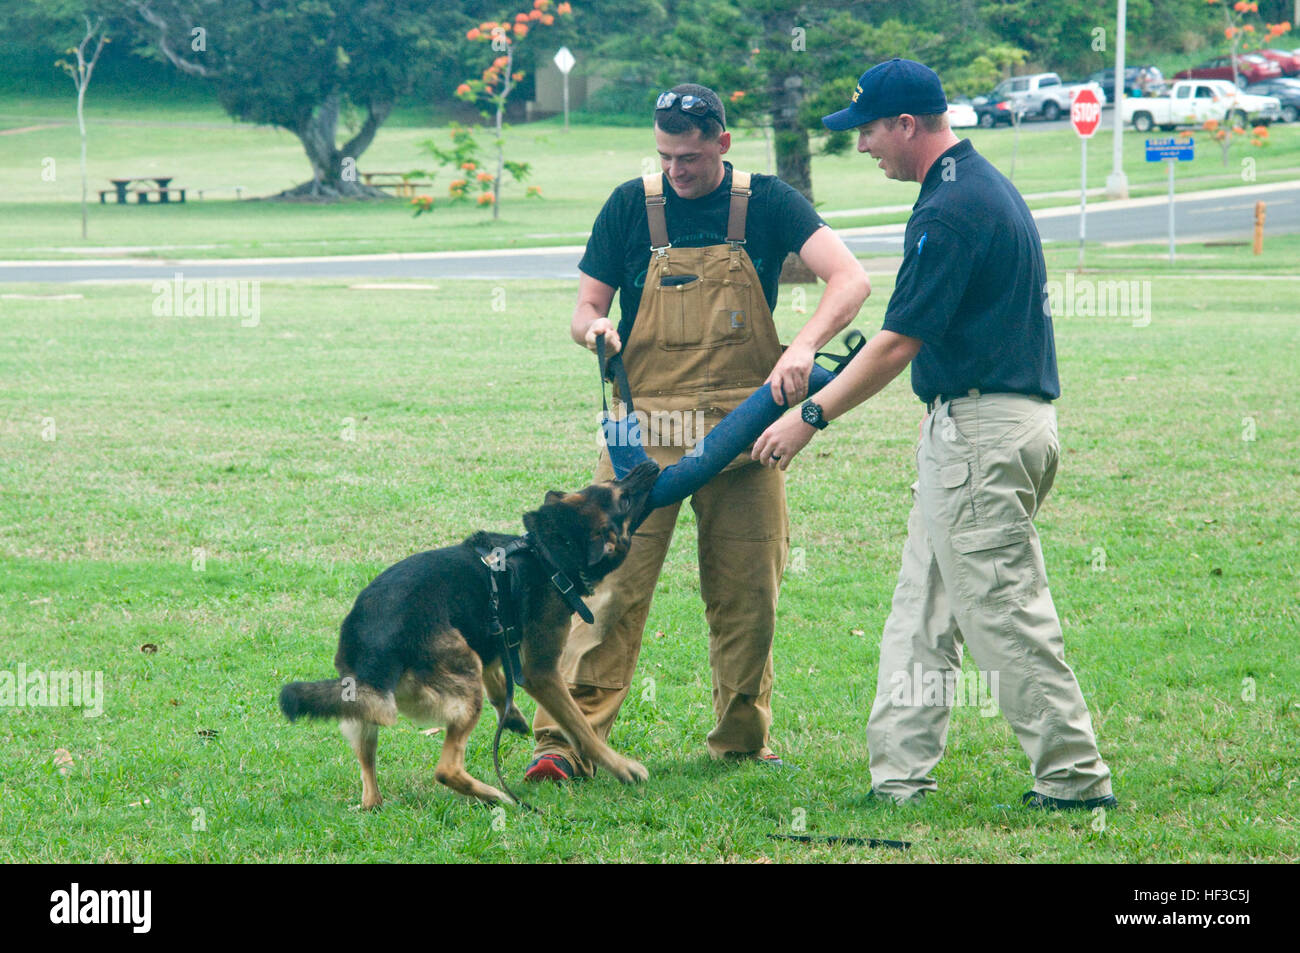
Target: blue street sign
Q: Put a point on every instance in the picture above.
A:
(1180, 149)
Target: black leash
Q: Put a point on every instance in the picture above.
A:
(509, 637)
(510, 634)
(840, 839)
(615, 367)
(854, 340)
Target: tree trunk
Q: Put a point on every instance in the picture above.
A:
(334, 171)
(85, 190)
(793, 160)
(501, 145)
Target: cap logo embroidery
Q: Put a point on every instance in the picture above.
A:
(857, 92)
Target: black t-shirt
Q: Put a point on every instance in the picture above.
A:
(779, 221)
(972, 285)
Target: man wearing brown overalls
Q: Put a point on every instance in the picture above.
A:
(700, 339)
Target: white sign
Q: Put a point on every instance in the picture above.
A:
(564, 60)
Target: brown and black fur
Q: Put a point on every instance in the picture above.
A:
(417, 640)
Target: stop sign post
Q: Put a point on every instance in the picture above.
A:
(1085, 117)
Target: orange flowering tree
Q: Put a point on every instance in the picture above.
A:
(1243, 36)
(492, 90)
(472, 182)
(1228, 132)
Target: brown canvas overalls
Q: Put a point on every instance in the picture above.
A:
(700, 346)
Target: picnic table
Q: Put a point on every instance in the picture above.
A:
(400, 182)
(122, 187)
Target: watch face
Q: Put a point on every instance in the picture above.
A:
(810, 414)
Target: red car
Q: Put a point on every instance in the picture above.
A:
(1250, 69)
(1288, 63)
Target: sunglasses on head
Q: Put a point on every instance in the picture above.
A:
(687, 103)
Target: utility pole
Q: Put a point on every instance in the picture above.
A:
(1117, 181)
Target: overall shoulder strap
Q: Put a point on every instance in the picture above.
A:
(740, 193)
(654, 209)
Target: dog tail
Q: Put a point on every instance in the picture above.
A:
(337, 699)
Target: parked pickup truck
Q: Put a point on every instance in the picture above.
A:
(1192, 101)
(1042, 94)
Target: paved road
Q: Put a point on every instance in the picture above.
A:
(1222, 214)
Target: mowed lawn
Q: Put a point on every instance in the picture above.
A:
(203, 149)
(223, 492)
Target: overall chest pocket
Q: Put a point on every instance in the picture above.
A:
(704, 313)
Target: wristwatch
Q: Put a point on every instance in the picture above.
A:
(812, 414)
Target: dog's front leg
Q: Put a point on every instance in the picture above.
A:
(494, 682)
(550, 692)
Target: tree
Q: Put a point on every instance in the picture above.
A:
(1228, 132)
(303, 65)
(1239, 33)
(81, 73)
(781, 64)
(784, 64)
(499, 79)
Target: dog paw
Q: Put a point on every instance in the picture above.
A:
(516, 722)
(629, 771)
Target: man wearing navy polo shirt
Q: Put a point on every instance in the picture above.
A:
(968, 314)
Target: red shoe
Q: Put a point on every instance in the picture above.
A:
(550, 767)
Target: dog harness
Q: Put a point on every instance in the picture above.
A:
(504, 622)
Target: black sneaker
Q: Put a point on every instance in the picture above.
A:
(1043, 802)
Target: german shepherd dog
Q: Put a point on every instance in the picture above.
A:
(418, 640)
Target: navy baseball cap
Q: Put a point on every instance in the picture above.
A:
(890, 89)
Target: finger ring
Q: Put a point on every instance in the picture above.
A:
(776, 456)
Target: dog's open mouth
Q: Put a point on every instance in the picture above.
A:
(636, 487)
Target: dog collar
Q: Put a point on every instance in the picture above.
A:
(559, 579)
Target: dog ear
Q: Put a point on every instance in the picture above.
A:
(553, 496)
(530, 522)
(560, 529)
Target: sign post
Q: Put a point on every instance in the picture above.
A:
(564, 62)
(1085, 117)
(1172, 151)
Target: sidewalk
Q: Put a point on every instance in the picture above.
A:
(1094, 193)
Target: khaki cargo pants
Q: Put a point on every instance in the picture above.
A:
(744, 538)
(973, 573)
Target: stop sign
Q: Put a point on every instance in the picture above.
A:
(1085, 113)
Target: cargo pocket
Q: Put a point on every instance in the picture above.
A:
(954, 475)
(953, 503)
(998, 563)
(680, 314)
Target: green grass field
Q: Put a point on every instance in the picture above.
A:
(202, 148)
(223, 492)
